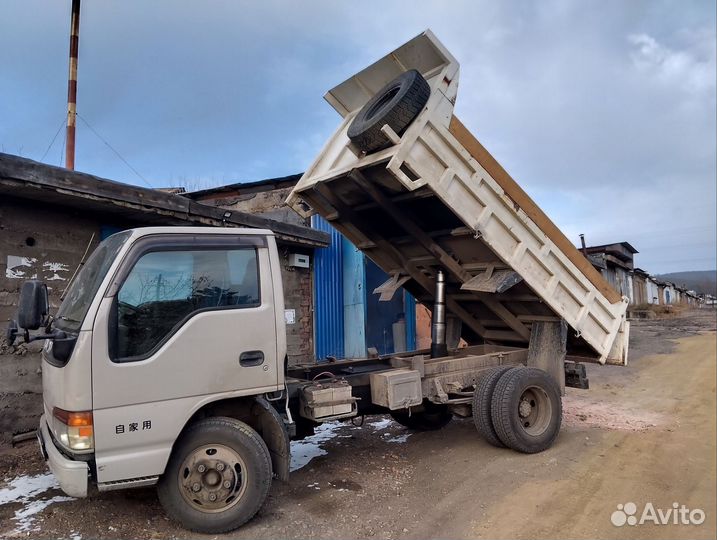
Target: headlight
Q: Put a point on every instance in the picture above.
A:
(74, 429)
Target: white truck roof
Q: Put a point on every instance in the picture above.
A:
(146, 231)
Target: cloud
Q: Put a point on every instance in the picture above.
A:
(682, 68)
(603, 111)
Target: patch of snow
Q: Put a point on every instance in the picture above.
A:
(399, 439)
(24, 516)
(381, 424)
(26, 487)
(307, 449)
(26, 490)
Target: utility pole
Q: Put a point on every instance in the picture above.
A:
(72, 85)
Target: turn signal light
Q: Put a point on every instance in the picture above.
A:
(74, 429)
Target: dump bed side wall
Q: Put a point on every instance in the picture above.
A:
(521, 198)
(459, 180)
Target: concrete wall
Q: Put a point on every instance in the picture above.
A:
(36, 240)
(298, 293)
(43, 242)
(653, 292)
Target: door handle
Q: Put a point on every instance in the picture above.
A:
(251, 358)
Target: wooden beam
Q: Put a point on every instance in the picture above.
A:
(330, 204)
(401, 261)
(503, 335)
(466, 317)
(538, 318)
(448, 262)
(423, 238)
(504, 297)
(505, 314)
(405, 196)
(497, 265)
(521, 198)
(448, 233)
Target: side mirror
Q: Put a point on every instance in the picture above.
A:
(34, 305)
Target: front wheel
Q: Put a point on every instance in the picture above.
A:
(217, 477)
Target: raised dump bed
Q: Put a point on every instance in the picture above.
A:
(434, 198)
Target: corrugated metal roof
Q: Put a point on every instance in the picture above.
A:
(28, 179)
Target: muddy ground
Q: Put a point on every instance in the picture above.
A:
(643, 434)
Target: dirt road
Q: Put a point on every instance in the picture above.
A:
(641, 434)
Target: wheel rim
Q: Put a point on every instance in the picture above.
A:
(212, 478)
(534, 411)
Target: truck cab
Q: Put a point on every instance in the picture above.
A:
(160, 326)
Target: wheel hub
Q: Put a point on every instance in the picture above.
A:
(211, 478)
(525, 408)
(534, 410)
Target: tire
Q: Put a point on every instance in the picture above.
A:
(396, 104)
(433, 417)
(482, 405)
(526, 410)
(240, 484)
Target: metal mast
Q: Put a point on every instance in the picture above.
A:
(72, 85)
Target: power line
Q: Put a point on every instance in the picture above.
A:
(62, 150)
(53, 139)
(115, 151)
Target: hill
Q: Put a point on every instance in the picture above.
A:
(702, 281)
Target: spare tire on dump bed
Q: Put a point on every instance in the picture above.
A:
(396, 104)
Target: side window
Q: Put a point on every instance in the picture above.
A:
(164, 288)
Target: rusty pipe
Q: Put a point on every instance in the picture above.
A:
(72, 85)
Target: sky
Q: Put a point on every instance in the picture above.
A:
(604, 111)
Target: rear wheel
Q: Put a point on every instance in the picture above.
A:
(217, 477)
(482, 404)
(431, 418)
(526, 409)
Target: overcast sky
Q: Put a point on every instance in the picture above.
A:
(603, 111)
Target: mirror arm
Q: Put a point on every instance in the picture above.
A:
(30, 339)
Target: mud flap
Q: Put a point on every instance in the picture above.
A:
(275, 435)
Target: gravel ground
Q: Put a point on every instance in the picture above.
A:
(642, 433)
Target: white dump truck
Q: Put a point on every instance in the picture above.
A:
(166, 362)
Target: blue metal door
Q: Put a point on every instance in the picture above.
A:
(328, 295)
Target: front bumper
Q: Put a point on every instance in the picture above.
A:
(73, 476)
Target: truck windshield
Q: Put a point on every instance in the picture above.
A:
(84, 287)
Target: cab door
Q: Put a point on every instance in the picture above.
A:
(183, 323)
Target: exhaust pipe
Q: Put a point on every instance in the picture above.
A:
(438, 326)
